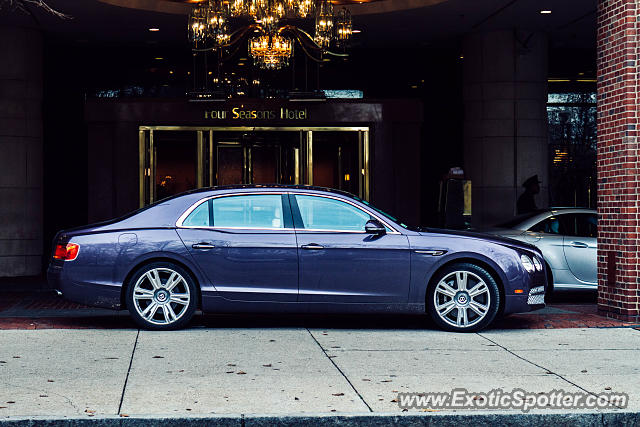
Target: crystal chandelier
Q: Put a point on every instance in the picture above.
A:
(324, 24)
(272, 46)
(270, 52)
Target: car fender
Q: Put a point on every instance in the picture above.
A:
(508, 272)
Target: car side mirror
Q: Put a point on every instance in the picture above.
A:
(373, 226)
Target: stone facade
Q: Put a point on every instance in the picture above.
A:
(20, 152)
(505, 123)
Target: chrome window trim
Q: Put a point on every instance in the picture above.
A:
(203, 227)
(280, 193)
(327, 196)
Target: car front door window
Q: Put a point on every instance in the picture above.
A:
(321, 213)
(587, 225)
(551, 225)
(340, 262)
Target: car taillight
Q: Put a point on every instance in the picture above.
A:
(66, 252)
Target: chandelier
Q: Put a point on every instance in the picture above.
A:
(270, 52)
(270, 37)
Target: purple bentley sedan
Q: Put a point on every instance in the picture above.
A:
(290, 249)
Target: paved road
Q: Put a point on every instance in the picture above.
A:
(276, 370)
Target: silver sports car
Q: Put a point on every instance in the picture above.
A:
(567, 238)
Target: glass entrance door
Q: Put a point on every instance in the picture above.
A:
(230, 161)
(176, 163)
(255, 158)
(173, 159)
(335, 160)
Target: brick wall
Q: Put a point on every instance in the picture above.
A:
(618, 170)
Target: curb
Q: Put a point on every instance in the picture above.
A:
(622, 419)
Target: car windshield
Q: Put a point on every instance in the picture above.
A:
(386, 215)
(517, 220)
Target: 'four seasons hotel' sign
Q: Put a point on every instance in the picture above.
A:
(239, 113)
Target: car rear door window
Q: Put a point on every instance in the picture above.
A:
(250, 211)
(322, 213)
(199, 217)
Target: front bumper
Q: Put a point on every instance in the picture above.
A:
(536, 296)
(533, 299)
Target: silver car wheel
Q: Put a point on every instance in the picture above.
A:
(161, 296)
(462, 299)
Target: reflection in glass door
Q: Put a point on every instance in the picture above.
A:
(264, 164)
(335, 160)
(176, 163)
(230, 158)
(255, 157)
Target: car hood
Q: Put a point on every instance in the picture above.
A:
(505, 241)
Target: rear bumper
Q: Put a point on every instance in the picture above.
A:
(92, 294)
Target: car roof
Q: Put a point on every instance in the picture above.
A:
(269, 186)
(541, 214)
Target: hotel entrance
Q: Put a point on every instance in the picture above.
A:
(174, 159)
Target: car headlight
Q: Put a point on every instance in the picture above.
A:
(537, 263)
(527, 263)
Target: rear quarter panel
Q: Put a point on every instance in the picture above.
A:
(105, 260)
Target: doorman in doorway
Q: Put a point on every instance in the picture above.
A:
(526, 202)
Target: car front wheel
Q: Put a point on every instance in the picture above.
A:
(161, 296)
(463, 297)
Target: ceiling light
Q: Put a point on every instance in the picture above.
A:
(545, 12)
(356, 31)
(158, 58)
(154, 29)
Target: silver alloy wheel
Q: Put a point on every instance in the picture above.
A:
(462, 299)
(161, 296)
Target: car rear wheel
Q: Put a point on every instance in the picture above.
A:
(463, 297)
(161, 296)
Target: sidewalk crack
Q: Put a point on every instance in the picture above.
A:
(340, 370)
(124, 387)
(542, 367)
(39, 390)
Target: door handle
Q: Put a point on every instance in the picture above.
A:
(312, 246)
(579, 245)
(202, 245)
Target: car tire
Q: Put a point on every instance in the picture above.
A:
(161, 296)
(463, 297)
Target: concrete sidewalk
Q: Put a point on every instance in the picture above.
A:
(280, 371)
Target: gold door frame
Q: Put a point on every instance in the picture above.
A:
(303, 172)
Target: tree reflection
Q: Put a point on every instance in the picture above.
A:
(572, 149)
